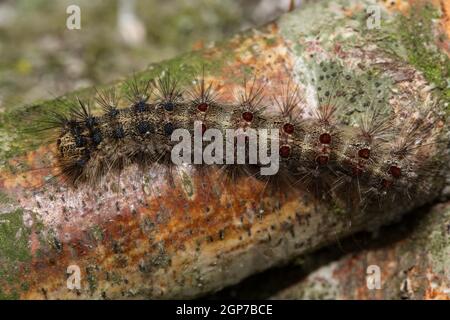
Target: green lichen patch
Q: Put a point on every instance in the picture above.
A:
(406, 38)
(438, 242)
(429, 242)
(97, 233)
(14, 252)
(418, 38)
(92, 279)
(187, 184)
(413, 38)
(353, 92)
(297, 25)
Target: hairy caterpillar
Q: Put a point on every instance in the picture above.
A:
(374, 157)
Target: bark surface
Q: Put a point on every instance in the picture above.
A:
(146, 238)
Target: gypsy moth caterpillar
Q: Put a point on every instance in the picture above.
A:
(322, 152)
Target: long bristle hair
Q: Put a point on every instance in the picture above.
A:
(251, 96)
(290, 103)
(168, 91)
(108, 100)
(203, 92)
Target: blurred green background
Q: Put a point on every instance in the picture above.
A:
(40, 58)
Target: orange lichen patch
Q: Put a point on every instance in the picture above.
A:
(445, 21)
(261, 53)
(402, 6)
(437, 294)
(438, 288)
(350, 11)
(198, 45)
(30, 170)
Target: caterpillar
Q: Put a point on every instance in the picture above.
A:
(319, 148)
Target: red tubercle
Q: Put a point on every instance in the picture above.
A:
(395, 171)
(202, 107)
(247, 116)
(385, 183)
(325, 138)
(322, 160)
(288, 128)
(285, 151)
(357, 171)
(364, 153)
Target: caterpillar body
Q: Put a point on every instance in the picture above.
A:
(377, 156)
